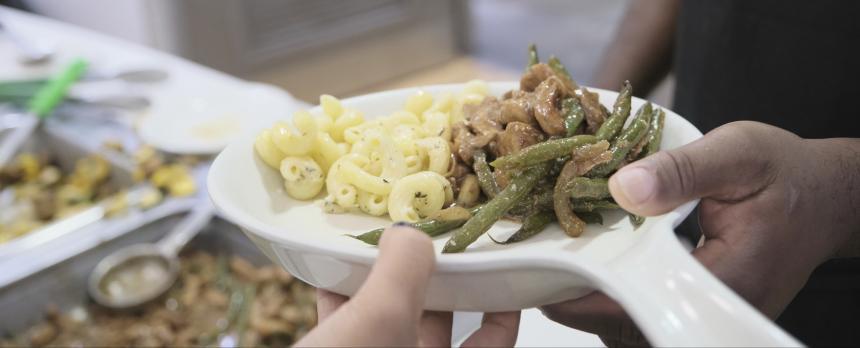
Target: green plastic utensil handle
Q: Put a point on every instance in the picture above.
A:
(47, 97)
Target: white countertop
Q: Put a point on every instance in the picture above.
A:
(108, 52)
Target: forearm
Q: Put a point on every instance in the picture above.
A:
(642, 48)
(839, 163)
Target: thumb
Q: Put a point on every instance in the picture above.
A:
(728, 163)
(401, 273)
(386, 310)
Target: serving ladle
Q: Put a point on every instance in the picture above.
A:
(136, 274)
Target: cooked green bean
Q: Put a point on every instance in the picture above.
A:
(644, 113)
(588, 188)
(558, 67)
(518, 188)
(581, 206)
(225, 283)
(543, 200)
(533, 56)
(574, 115)
(542, 152)
(533, 224)
(636, 220)
(555, 64)
(540, 198)
(485, 175)
(590, 217)
(619, 115)
(222, 275)
(432, 228)
(619, 149)
(242, 322)
(530, 202)
(655, 133)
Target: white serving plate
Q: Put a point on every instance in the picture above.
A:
(671, 297)
(202, 119)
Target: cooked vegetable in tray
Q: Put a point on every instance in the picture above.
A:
(217, 301)
(538, 154)
(36, 191)
(40, 192)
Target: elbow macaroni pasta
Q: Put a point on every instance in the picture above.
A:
(303, 177)
(438, 153)
(298, 140)
(418, 195)
(394, 164)
(266, 149)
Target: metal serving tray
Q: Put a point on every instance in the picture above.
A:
(66, 150)
(23, 303)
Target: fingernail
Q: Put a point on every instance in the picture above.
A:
(637, 184)
(401, 224)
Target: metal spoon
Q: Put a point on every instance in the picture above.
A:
(120, 101)
(128, 102)
(139, 273)
(28, 87)
(140, 75)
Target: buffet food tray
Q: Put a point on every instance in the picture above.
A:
(70, 135)
(64, 151)
(23, 303)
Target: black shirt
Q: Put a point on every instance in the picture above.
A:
(795, 65)
(792, 64)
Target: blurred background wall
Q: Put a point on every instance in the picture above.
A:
(350, 47)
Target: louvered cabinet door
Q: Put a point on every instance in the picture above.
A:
(319, 46)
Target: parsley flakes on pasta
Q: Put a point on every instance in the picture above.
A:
(397, 164)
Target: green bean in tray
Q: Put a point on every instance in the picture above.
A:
(552, 147)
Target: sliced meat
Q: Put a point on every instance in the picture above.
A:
(539, 73)
(458, 174)
(480, 129)
(546, 107)
(466, 142)
(485, 118)
(588, 156)
(462, 136)
(571, 224)
(595, 113)
(518, 108)
(516, 136)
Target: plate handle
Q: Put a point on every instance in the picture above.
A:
(675, 301)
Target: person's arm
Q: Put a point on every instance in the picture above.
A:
(839, 161)
(642, 48)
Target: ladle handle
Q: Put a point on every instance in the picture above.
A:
(11, 143)
(183, 232)
(675, 301)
